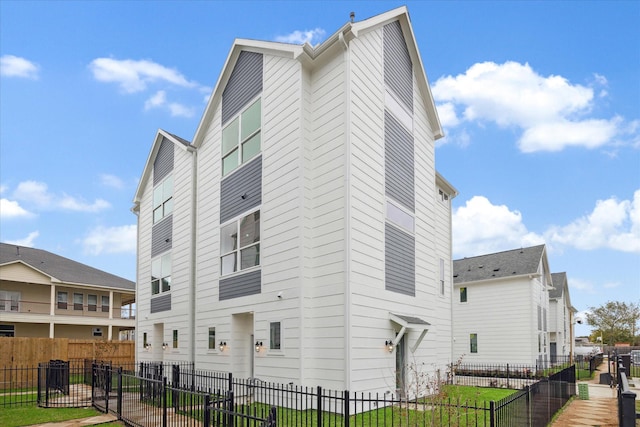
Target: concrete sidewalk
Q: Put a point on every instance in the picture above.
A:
(81, 422)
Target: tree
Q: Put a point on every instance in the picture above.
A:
(615, 321)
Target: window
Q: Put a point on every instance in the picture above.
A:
(62, 300)
(239, 254)
(443, 196)
(212, 338)
(539, 318)
(9, 301)
(97, 332)
(473, 341)
(144, 340)
(400, 217)
(78, 300)
(105, 303)
(163, 199)
(441, 276)
(175, 338)
(7, 331)
(275, 336)
(241, 138)
(92, 302)
(463, 294)
(161, 274)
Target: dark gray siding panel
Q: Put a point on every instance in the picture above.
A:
(161, 236)
(245, 181)
(241, 285)
(244, 84)
(400, 261)
(399, 162)
(161, 303)
(398, 70)
(163, 164)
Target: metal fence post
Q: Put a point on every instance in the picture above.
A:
(492, 413)
(230, 388)
(345, 396)
(528, 404)
(206, 410)
(119, 396)
(164, 401)
(507, 375)
(319, 404)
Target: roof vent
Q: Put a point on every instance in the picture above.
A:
(352, 16)
(481, 266)
(496, 269)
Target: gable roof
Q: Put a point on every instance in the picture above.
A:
(515, 262)
(60, 269)
(308, 54)
(559, 281)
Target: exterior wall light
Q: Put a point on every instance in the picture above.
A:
(258, 346)
(222, 345)
(389, 345)
(147, 346)
(164, 345)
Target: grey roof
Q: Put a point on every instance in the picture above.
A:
(61, 268)
(182, 140)
(501, 264)
(559, 281)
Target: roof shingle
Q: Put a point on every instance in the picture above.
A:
(501, 264)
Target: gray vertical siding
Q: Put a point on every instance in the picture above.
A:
(161, 236)
(399, 162)
(161, 303)
(245, 181)
(241, 285)
(398, 69)
(400, 261)
(244, 84)
(163, 164)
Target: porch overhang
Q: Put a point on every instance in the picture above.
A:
(409, 323)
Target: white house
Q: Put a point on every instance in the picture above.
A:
(501, 306)
(561, 319)
(303, 235)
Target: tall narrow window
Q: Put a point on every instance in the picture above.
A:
(163, 199)
(463, 294)
(78, 301)
(441, 276)
(175, 338)
(161, 274)
(144, 340)
(92, 302)
(241, 138)
(244, 252)
(275, 336)
(473, 338)
(62, 300)
(212, 338)
(105, 303)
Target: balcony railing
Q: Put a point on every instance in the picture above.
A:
(66, 309)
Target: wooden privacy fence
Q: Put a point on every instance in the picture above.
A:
(17, 352)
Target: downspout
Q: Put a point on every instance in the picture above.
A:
(347, 216)
(192, 255)
(136, 211)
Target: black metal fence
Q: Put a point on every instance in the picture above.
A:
(626, 399)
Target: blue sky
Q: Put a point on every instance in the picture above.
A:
(540, 102)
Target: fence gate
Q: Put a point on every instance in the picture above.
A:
(221, 411)
(101, 386)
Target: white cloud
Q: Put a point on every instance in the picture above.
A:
(301, 37)
(180, 110)
(583, 286)
(111, 181)
(447, 115)
(159, 100)
(551, 112)
(12, 209)
(28, 241)
(134, 76)
(612, 224)
(37, 194)
(15, 66)
(103, 240)
(480, 227)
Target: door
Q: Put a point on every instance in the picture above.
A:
(552, 350)
(401, 367)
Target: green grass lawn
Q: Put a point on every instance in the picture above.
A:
(16, 416)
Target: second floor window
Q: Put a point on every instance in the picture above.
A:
(9, 301)
(163, 199)
(463, 294)
(92, 302)
(275, 336)
(241, 138)
(240, 244)
(161, 274)
(62, 300)
(78, 301)
(105, 304)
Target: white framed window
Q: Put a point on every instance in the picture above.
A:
(275, 336)
(463, 294)
(175, 339)
(163, 199)
(161, 274)
(9, 301)
(63, 298)
(105, 303)
(400, 217)
(97, 332)
(443, 196)
(441, 276)
(212, 339)
(78, 301)
(241, 138)
(7, 331)
(92, 302)
(240, 244)
(473, 343)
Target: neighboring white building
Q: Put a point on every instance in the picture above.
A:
(561, 318)
(305, 226)
(501, 306)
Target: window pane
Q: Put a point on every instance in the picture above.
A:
(230, 162)
(228, 263)
(463, 294)
(250, 120)
(229, 238)
(167, 207)
(158, 196)
(155, 286)
(251, 148)
(250, 257)
(212, 338)
(15, 298)
(230, 137)
(400, 217)
(250, 229)
(157, 214)
(166, 265)
(274, 336)
(77, 298)
(167, 188)
(474, 343)
(62, 297)
(175, 338)
(156, 268)
(166, 284)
